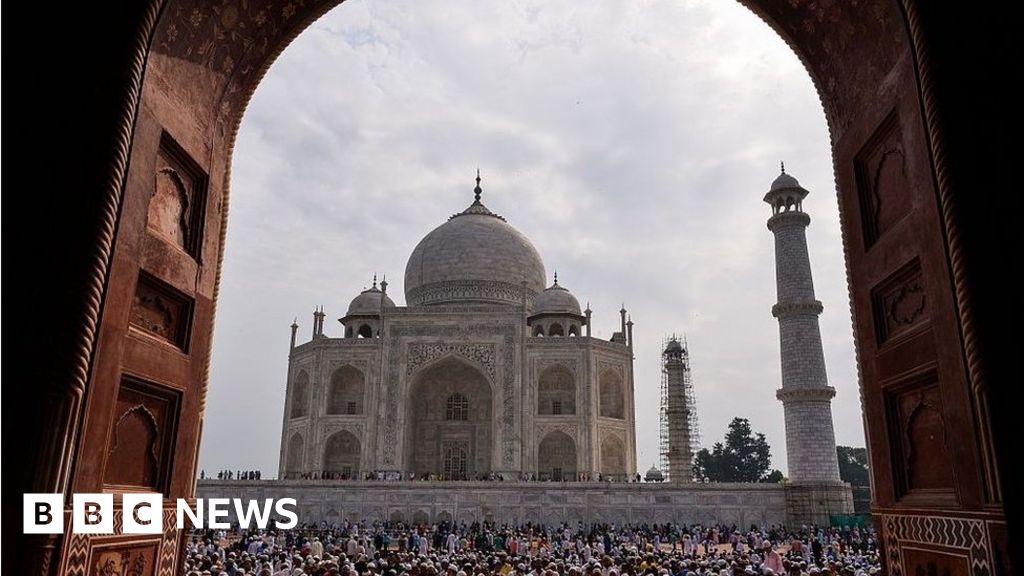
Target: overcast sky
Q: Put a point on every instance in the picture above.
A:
(632, 142)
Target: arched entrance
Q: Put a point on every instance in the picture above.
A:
(556, 391)
(449, 422)
(300, 396)
(890, 76)
(613, 457)
(556, 457)
(293, 457)
(341, 456)
(611, 396)
(346, 392)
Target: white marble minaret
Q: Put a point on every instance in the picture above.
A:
(805, 394)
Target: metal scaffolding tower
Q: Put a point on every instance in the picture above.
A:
(679, 433)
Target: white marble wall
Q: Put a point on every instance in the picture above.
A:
(516, 502)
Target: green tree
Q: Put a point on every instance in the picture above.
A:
(743, 457)
(853, 465)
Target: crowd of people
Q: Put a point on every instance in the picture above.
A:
(395, 549)
(487, 477)
(234, 475)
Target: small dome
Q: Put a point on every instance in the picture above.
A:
(673, 346)
(556, 300)
(654, 475)
(784, 181)
(368, 302)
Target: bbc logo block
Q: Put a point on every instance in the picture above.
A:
(43, 514)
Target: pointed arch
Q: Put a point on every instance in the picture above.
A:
(300, 395)
(556, 391)
(449, 407)
(347, 391)
(612, 395)
(613, 456)
(294, 456)
(556, 457)
(341, 455)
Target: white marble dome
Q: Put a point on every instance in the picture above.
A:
(556, 300)
(474, 257)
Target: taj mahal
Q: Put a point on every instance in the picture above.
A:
(486, 372)
(486, 398)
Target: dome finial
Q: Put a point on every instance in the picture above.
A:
(556, 277)
(477, 190)
(374, 280)
(782, 164)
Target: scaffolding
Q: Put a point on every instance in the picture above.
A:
(690, 425)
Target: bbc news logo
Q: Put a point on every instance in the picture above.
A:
(143, 513)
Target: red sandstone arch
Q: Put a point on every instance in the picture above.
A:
(173, 76)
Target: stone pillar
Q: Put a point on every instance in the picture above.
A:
(805, 394)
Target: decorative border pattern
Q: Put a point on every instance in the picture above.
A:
(422, 353)
(569, 429)
(813, 307)
(481, 290)
(571, 364)
(969, 535)
(79, 550)
(819, 394)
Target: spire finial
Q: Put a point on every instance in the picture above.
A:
(374, 280)
(782, 164)
(477, 190)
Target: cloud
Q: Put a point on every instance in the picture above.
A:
(631, 142)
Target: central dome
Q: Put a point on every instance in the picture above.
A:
(474, 257)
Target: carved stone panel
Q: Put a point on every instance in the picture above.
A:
(161, 311)
(421, 353)
(141, 442)
(921, 457)
(882, 181)
(923, 562)
(899, 303)
(136, 559)
(179, 195)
